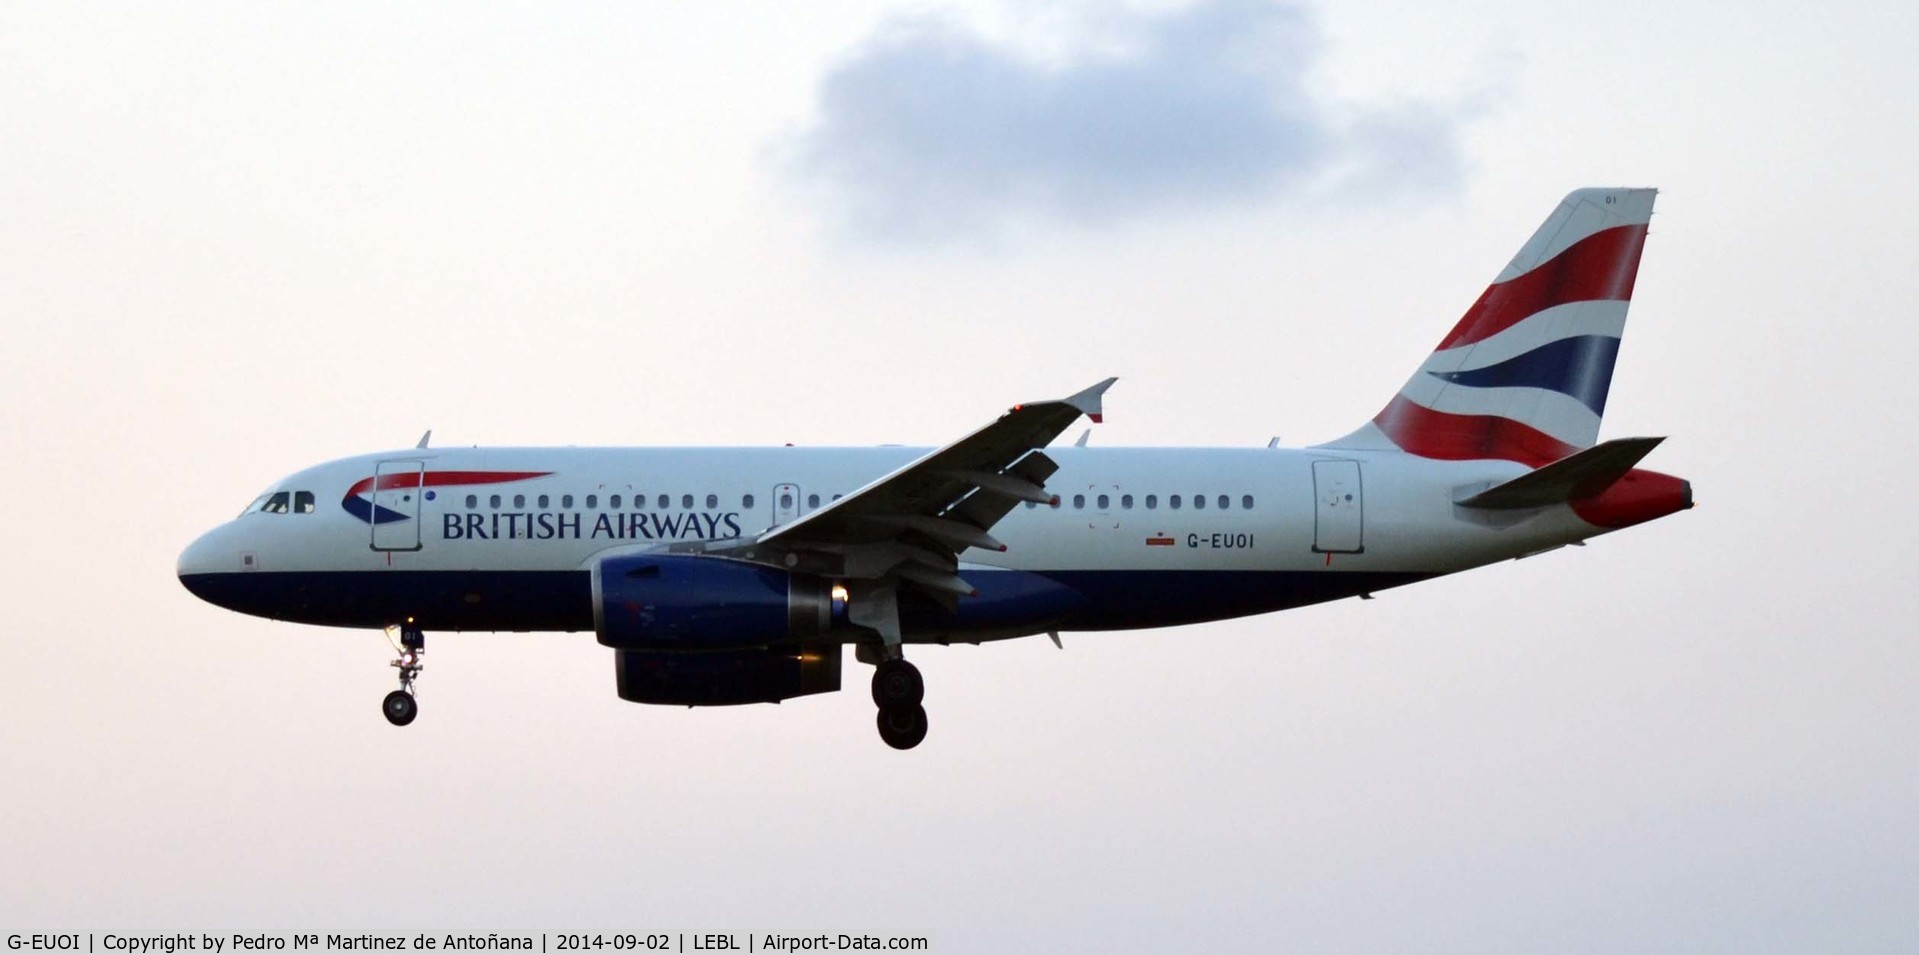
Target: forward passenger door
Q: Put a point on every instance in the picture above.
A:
(396, 504)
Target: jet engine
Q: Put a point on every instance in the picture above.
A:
(674, 602)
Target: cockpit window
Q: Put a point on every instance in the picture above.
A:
(258, 504)
(277, 504)
(302, 502)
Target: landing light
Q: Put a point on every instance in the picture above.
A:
(839, 593)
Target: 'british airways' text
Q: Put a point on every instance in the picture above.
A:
(573, 525)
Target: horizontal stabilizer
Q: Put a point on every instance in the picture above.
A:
(1585, 474)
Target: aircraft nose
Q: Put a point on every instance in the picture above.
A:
(217, 551)
(197, 558)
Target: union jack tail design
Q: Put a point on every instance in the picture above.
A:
(1524, 374)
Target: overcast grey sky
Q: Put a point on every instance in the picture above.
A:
(235, 241)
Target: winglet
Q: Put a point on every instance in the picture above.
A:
(1088, 401)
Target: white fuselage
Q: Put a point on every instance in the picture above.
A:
(1328, 524)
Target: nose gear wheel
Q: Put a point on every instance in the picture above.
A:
(400, 707)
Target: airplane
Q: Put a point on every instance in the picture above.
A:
(722, 576)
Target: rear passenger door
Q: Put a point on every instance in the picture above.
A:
(1339, 518)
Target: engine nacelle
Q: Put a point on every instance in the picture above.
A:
(726, 679)
(676, 602)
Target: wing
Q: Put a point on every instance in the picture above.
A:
(915, 522)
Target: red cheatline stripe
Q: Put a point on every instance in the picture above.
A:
(1601, 266)
(443, 478)
(1451, 437)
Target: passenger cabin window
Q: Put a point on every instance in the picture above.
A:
(1199, 502)
(592, 501)
(544, 501)
(686, 501)
(472, 502)
(786, 501)
(746, 501)
(1079, 501)
(712, 501)
(812, 500)
(277, 504)
(1246, 502)
(1152, 502)
(1125, 502)
(493, 502)
(1104, 502)
(566, 501)
(665, 502)
(1173, 502)
(519, 502)
(613, 502)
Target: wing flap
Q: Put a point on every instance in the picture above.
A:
(1024, 482)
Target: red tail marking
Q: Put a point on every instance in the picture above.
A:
(1450, 437)
(1601, 266)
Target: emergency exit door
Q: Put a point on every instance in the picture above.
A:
(786, 503)
(1339, 519)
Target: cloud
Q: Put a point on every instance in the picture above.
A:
(930, 130)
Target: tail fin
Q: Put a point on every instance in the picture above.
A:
(1524, 374)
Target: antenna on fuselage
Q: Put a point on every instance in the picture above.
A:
(428, 436)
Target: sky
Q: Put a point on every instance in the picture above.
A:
(239, 240)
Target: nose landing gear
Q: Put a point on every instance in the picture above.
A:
(399, 706)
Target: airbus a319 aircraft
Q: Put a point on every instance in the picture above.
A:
(723, 576)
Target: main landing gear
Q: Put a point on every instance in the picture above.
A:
(898, 691)
(399, 706)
